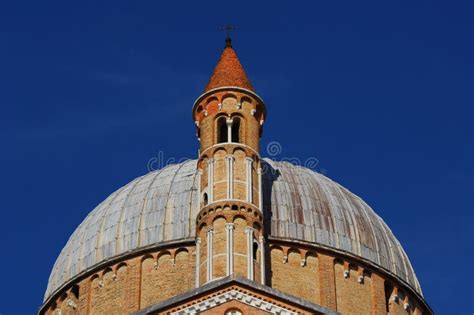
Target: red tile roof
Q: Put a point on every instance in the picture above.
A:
(229, 71)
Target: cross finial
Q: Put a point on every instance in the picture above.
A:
(228, 28)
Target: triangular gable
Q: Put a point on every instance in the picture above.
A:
(239, 293)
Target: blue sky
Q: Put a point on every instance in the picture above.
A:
(379, 92)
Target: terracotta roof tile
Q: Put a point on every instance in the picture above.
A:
(229, 71)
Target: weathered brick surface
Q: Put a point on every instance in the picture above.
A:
(109, 293)
(360, 293)
(139, 281)
(292, 277)
(327, 281)
(378, 299)
(220, 248)
(167, 279)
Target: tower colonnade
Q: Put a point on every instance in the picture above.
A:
(230, 233)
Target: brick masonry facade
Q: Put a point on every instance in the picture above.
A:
(310, 273)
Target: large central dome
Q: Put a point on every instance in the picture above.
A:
(161, 207)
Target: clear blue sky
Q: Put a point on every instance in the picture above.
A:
(381, 92)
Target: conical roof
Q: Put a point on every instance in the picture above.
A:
(229, 71)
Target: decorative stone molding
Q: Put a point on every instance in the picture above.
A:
(248, 211)
(406, 306)
(229, 227)
(248, 175)
(242, 297)
(210, 179)
(230, 175)
(210, 242)
(72, 304)
(249, 232)
(262, 259)
(198, 261)
(229, 129)
(260, 184)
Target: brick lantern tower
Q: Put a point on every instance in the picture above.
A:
(229, 118)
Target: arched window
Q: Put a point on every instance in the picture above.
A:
(205, 199)
(236, 130)
(388, 295)
(233, 312)
(75, 291)
(221, 130)
(255, 250)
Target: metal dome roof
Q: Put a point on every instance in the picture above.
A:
(161, 206)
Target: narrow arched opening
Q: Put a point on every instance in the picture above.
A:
(221, 130)
(255, 250)
(236, 130)
(75, 291)
(205, 199)
(388, 295)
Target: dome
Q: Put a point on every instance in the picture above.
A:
(161, 207)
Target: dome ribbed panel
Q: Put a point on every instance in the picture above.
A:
(161, 206)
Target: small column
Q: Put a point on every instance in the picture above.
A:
(248, 171)
(210, 179)
(229, 228)
(260, 192)
(230, 176)
(229, 130)
(262, 259)
(249, 232)
(198, 261)
(210, 236)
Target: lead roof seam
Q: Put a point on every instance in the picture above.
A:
(315, 191)
(392, 260)
(362, 206)
(81, 243)
(145, 202)
(81, 249)
(102, 223)
(344, 198)
(172, 182)
(338, 245)
(122, 211)
(402, 257)
(81, 257)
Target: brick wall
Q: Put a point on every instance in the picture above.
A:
(349, 285)
(289, 275)
(147, 279)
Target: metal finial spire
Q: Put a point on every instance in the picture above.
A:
(228, 28)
